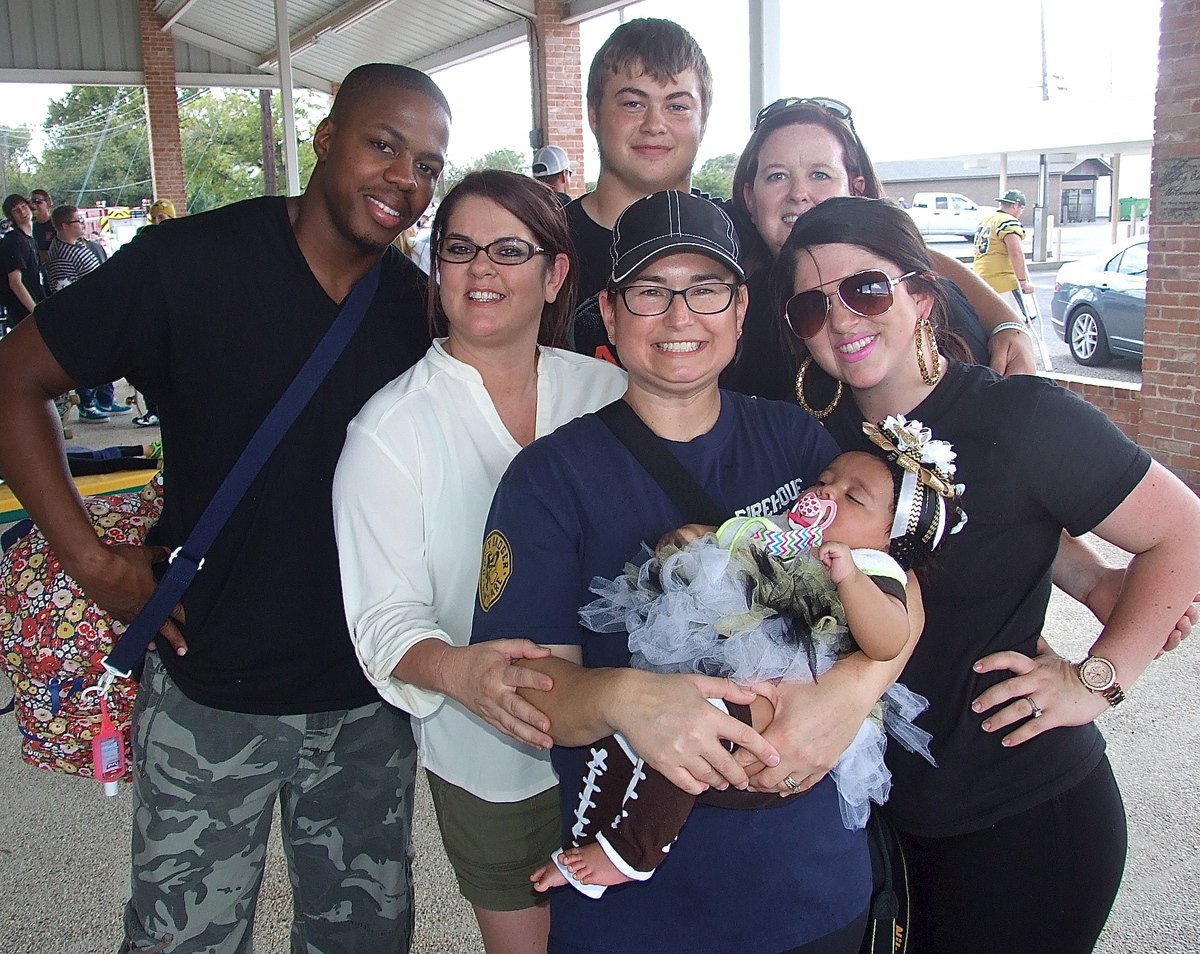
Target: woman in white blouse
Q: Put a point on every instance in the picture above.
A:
(411, 495)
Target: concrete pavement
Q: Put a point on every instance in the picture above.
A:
(64, 848)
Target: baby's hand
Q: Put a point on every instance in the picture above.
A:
(837, 560)
(682, 537)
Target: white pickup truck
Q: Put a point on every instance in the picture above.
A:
(946, 213)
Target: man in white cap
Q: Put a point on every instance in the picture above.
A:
(552, 167)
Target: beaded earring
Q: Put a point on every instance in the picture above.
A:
(825, 411)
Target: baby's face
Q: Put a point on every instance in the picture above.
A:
(861, 486)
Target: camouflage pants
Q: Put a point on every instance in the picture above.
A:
(205, 785)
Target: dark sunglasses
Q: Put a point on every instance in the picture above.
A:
(835, 106)
(867, 293)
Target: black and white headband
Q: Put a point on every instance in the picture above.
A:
(927, 489)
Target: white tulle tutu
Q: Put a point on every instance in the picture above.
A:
(751, 617)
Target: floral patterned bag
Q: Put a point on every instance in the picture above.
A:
(53, 638)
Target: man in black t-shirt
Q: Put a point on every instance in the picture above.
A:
(20, 274)
(269, 702)
(43, 222)
(648, 95)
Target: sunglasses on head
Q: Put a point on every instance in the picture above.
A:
(835, 106)
(867, 293)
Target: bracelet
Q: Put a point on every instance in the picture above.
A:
(1009, 326)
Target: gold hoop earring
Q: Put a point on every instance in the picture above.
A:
(825, 411)
(925, 331)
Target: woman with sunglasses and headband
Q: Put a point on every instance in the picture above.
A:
(411, 494)
(802, 152)
(1017, 840)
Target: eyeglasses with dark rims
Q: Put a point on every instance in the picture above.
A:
(504, 251)
(706, 298)
(867, 293)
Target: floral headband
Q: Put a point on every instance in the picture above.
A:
(928, 494)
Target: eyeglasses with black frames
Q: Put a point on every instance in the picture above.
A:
(504, 251)
(707, 298)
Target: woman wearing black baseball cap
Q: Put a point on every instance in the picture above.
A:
(579, 504)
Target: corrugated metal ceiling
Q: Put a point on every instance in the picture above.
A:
(230, 42)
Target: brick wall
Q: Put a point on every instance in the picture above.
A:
(560, 75)
(162, 112)
(1170, 378)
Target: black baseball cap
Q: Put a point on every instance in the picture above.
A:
(672, 221)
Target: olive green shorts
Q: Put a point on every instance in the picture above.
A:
(495, 846)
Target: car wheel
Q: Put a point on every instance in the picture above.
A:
(1087, 340)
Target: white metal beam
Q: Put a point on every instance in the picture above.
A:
(174, 17)
(247, 57)
(339, 19)
(472, 49)
(291, 154)
(764, 54)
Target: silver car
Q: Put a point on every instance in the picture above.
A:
(1099, 304)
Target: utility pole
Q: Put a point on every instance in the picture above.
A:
(1043, 193)
(270, 182)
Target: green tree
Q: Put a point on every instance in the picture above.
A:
(508, 159)
(96, 147)
(15, 160)
(716, 176)
(221, 134)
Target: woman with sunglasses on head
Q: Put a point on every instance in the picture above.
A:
(1017, 840)
(411, 494)
(802, 152)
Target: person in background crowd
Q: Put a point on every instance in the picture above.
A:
(72, 257)
(43, 223)
(160, 210)
(552, 168)
(22, 285)
(999, 256)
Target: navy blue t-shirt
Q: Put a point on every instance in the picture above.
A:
(576, 504)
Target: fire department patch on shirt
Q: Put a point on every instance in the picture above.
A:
(495, 569)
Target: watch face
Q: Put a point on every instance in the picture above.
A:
(1097, 673)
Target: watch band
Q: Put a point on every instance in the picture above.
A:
(1114, 694)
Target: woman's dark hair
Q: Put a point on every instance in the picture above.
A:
(879, 227)
(537, 207)
(755, 253)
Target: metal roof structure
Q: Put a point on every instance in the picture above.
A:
(236, 43)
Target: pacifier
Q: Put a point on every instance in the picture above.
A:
(812, 512)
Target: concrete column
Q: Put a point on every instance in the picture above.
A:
(162, 109)
(1170, 425)
(764, 54)
(557, 86)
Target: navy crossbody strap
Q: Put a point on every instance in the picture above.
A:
(187, 559)
(653, 454)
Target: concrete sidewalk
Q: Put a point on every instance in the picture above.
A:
(64, 848)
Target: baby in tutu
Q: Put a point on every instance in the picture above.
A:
(767, 599)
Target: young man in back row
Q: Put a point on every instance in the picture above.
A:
(269, 701)
(649, 90)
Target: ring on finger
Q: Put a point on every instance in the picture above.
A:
(1035, 709)
(791, 783)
